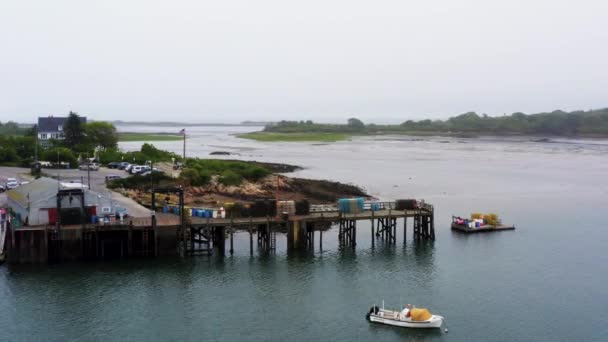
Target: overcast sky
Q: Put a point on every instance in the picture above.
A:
(227, 61)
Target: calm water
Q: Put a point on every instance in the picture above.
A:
(544, 281)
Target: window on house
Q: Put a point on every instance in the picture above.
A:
(60, 128)
(43, 136)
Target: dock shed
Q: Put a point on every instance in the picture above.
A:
(36, 203)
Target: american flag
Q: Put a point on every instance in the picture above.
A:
(182, 132)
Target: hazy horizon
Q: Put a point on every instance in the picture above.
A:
(227, 62)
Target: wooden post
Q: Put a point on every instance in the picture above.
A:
(267, 237)
(250, 237)
(312, 235)
(81, 242)
(433, 224)
(389, 223)
(354, 230)
(405, 228)
(394, 223)
(31, 247)
(97, 241)
(231, 232)
(320, 240)
(46, 243)
(373, 238)
(210, 236)
(155, 229)
(130, 241)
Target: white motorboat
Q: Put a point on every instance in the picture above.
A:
(417, 318)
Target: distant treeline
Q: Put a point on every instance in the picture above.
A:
(12, 128)
(594, 122)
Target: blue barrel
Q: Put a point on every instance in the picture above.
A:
(93, 219)
(165, 209)
(176, 210)
(343, 205)
(194, 212)
(208, 213)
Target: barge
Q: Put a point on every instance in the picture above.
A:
(470, 226)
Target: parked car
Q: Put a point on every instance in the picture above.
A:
(11, 183)
(122, 165)
(129, 167)
(89, 166)
(149, 172)
(2, 188)
(137, 169)
(113, 165)
(110, 178)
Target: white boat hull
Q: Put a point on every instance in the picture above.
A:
(399, 320)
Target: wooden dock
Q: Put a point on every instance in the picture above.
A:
(168, 234)
(2, 241)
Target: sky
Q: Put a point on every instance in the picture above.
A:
(234, 60)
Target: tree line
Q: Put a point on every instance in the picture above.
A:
(18, 145)
(593, 122)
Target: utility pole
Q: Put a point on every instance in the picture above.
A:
(184, 132)
(89, 171)
(36, 143)
(151, 174)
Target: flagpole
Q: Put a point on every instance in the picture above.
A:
(184, 161)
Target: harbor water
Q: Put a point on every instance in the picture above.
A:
(545, 281)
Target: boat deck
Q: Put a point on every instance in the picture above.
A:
(483, 229)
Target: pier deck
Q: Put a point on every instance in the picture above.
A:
(170, 234)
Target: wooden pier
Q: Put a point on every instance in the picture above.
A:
(169, 234)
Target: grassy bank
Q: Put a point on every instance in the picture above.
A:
(295, 137)
(130, 136)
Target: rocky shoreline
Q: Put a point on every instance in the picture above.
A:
(275, 185)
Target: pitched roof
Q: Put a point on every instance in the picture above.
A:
(51, 123)
(39, 190)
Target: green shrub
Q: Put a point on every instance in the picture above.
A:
(195, 177)
(60, 155)
(141, 182)
(8, 155)
(231, 172)
(148, 152)
(229, 177)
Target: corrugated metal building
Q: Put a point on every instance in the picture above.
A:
(36, 202)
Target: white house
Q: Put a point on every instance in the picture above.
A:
(51, 127)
